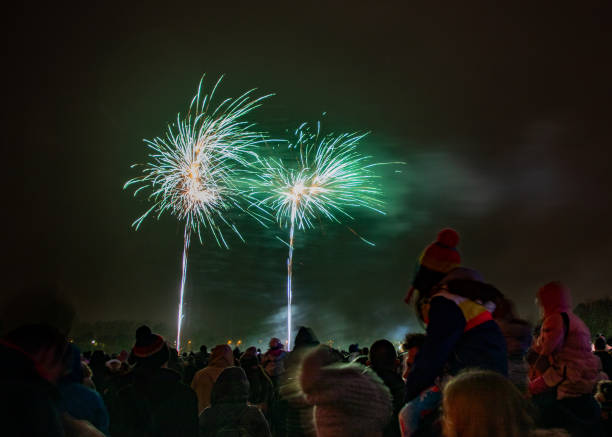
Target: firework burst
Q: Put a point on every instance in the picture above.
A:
(192, 172)
(329, 178)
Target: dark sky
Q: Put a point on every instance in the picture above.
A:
(502, 116)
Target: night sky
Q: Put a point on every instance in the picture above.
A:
(502, 116)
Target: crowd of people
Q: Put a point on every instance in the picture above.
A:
(477, 370)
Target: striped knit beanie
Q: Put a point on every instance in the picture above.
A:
(439, 258)
(150, 349)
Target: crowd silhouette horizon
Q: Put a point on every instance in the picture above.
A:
(477, 370)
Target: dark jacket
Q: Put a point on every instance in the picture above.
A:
(459, 336)
(156, 404)
(28, 403)
(261, 389)
(606, 362)
(396, 387)
(229, 408)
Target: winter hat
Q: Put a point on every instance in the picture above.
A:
(232, 386)
(150, 349)
(555, 297)
(349, 399)
(439, 258)
(221, 356)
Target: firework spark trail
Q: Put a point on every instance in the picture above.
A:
(331, 176)
(290, 273)
(192, 170)
(186, 240)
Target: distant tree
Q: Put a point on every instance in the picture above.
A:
(597, 314)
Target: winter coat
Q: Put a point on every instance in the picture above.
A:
(349, 399)
(461, 334)
(396, 387)
(273, 362)
(606, 362)
(573, 368)
(229, 408)
(518, 335)
(28, 402)
(261, 389)
(79, 401)
(205, 378)
(157, 403)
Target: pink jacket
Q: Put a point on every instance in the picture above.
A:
(573, 367)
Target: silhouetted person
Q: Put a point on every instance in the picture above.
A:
(384, 362)
(32, 359)
(229, 413)
(156, 403)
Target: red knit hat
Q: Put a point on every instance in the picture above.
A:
(150, 349)
(439, 258)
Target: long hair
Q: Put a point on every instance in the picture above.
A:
(479, 403)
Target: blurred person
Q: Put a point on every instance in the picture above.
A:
(100, 374)
(156, 402)
(78, 400)
(189, 369)
(603, 355)
(261, 389)
(480, 403)
(456, 306)
(229, 414)
(348, 399)
(411, 345)
(32, 359)
(603, 396)
(273, 361)
(564, 371)
(384, 362)
(290, 414)
(202, 357)
(237, 354)
(205, 378)
(87, 374)
(354, 352)
(174, 362)
(518, 335)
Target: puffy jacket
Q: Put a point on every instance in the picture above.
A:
(573, 368)
(461, 333)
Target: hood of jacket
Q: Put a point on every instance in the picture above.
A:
(221, 356)
(232, 386)
(554, 297)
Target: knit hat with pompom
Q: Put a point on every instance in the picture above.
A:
(150, 349)
(439, 258)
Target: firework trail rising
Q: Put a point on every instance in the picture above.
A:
(192, 171)
(330, 177)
